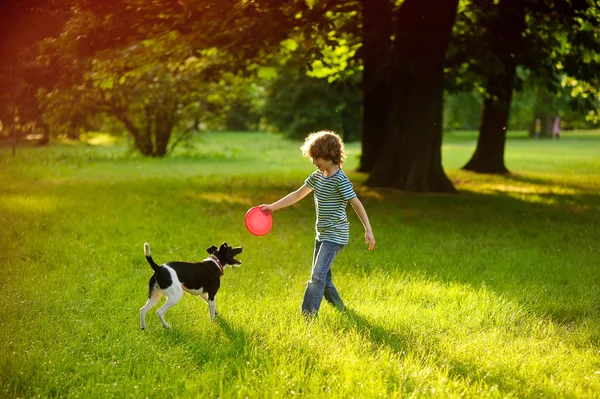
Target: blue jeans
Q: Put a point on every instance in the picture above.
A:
(320, 283)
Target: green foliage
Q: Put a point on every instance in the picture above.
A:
(491, 293)
(233, 102)
(157, 89)
(110, 53)
(23, 24)
(559, 47)
(148, 87)
(462, 111)
(297, 105)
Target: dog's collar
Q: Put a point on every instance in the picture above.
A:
(217, 262)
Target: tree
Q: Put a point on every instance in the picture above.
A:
(131, 64)
(23, 24)
(550, 39)
(156, 66)
(297, 104)
(410, 155)
(151, 87)
(505, 24)
(402, 52)
(375, 52)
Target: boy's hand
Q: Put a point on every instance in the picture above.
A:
(370, 240)
(266, 208)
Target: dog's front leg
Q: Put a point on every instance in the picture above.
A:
(212, 308)
(205, 298)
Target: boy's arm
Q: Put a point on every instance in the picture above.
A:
(288, 200)
(362, 214)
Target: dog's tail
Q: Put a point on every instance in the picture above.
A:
(149, 258)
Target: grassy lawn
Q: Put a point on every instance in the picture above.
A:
(494, 292)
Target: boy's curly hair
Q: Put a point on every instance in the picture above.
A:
(324, 144)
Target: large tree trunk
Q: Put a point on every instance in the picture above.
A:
(46, 135)
(151, 136)
(164, 123)
(13, 106)
(375, 53)
(410, 155)
(489, 153)
(142, 142)
(505, 31)
(14, 140)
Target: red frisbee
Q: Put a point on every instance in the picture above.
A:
(258, 222)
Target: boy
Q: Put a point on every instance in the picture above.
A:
(332, 192)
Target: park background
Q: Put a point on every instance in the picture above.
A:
(125, 122)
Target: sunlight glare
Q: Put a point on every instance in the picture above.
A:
(20, 204)
(218, 198)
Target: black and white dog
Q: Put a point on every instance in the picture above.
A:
(174, 278)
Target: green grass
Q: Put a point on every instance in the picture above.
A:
(493, 292)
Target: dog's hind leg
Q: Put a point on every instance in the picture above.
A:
(153, 297)
(173, 297)
(204, 297)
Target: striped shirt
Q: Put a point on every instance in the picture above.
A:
(331, 196)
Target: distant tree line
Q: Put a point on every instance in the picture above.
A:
(392, 74)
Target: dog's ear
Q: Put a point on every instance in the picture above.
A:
(211, 250)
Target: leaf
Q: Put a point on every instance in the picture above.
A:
(268, 73)
(106, 84)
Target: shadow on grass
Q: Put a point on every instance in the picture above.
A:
(397, 341)
(214, 347)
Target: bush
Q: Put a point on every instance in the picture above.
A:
(297, 105)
